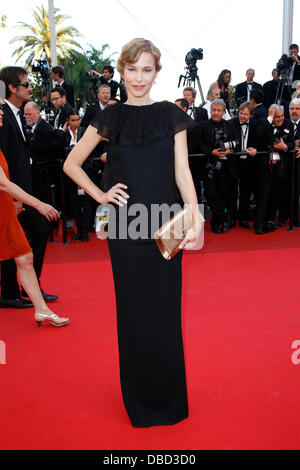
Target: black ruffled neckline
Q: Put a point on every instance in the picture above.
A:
(131, 125)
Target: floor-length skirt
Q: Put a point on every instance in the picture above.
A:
(148, 300)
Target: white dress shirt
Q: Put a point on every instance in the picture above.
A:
(17, 116)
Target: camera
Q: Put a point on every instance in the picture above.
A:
(211, 169)
(284, 66)
(219, 137)
(193, 55)
(42, 66)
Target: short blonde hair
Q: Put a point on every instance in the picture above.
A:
(132, 51)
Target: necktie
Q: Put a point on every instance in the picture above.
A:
(296, 125)
(23, 122)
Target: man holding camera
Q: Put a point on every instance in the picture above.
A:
(106, 79)
(295, 69)
(276, 138)
(218, 139)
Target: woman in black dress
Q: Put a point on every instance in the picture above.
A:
(147, 163)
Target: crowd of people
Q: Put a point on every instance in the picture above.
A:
(241, 164)
(142, 148)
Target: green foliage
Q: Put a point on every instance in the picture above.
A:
(36, 44)
(77, 64)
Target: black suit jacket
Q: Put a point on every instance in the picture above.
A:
(46, 142)
(265, 133)
(270, 91)
(241, 91)
(252, 138)
(16, 151)
(63, 112)
(260, 113)
(70, 93)
(90, 113)
(296, 75)
(206, 142)
(297, 135)
(200, 114)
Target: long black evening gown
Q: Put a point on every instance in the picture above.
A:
(140, 154)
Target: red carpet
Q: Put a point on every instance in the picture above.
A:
(241, 313)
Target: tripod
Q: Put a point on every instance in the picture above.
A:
(283, 85)
(190, 78)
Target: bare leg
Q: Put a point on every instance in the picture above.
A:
(30, 283)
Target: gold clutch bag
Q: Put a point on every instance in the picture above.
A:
(169, 236)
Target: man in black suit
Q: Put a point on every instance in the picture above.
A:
(196, 113)
(106, 79)
(294, 109)
(15, 147)
(295, 70)
(220, 182)
(81, 205)
(45, 143)
(63, 109)
(270, 89)
(245, 128)
(243, 90)
(276, 138)
(58, 74)
(257, 98)
(103, 97)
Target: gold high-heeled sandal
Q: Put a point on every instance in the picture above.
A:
(51, 318)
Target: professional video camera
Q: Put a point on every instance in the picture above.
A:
(284, 66)
(94, 82)
(191, 58)
(191, 75)
(42, 66)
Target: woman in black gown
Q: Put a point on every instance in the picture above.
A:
(147, 163)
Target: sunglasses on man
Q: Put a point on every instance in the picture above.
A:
(25, 84)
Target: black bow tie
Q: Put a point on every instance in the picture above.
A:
(244, 123)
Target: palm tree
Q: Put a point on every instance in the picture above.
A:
(36, 45)
(3, 21)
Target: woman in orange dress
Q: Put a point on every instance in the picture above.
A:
(13, 242)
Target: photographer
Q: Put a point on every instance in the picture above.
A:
(106, 79)
(246, 129)
(270, 89)
(45, 144)
(62, 107)
(217, 139)
(295, 69)
(295, 120)
(275, 137)
(81, 206)
(58, 74)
